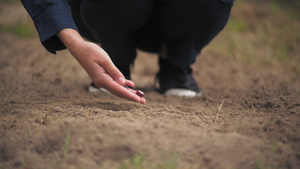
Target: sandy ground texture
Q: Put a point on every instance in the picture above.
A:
(248, 117)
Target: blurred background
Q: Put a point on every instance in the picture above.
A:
(263, 33)
(260, 32)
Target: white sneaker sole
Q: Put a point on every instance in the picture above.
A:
(182, 92)
(94, 89)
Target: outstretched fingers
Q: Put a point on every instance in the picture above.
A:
(118, 84)
(118, 87)
(124, 92)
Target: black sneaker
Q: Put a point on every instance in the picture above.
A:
(124, 69)
(171, 80)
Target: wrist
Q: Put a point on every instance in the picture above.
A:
(70, 38)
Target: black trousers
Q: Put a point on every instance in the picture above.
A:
(183, 27)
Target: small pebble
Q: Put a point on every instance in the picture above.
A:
(57, 109)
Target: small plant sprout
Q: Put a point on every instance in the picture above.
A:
(138, 162)
(45, 119)
(66, 147)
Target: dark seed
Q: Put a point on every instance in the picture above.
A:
(140, 93)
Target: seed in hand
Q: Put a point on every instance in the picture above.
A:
(140, 93)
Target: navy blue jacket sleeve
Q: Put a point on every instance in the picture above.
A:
(50, 17)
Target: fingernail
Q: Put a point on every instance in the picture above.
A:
(143, 101)
(121, 80)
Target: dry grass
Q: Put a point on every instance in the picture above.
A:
(263, 33)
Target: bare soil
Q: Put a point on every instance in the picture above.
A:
(248, 117)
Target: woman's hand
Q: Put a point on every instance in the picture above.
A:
(98, 65)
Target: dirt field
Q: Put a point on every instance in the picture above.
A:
(248, 116)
